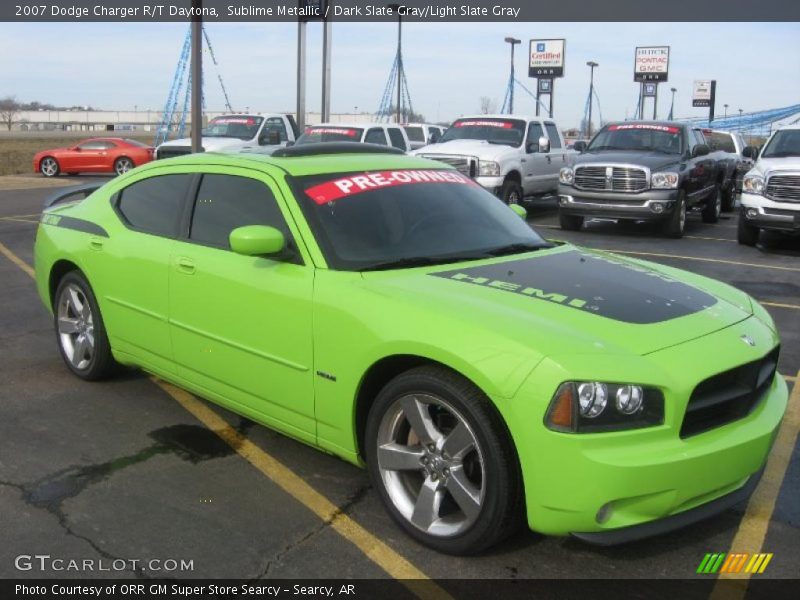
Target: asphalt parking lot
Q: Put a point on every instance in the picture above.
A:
(132, 469)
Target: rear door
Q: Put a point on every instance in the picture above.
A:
(397, 138)
(375, 135)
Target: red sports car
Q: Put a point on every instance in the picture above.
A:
(96, 155)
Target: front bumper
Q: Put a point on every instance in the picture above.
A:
(493, 184)
(611, 205)
(608, 482)
(767, 214)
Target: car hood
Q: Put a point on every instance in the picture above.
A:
(479, 148)
(655, 161)
(787, 163)
(52, 151)
(210, 144)
(568, 300)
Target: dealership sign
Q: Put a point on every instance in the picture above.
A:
(547, 58)
(652, 63)
(701, 93)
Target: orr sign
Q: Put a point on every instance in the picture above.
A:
(652, 64)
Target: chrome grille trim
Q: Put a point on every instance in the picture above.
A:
(783, 187)
(468, 165)
(612, 178)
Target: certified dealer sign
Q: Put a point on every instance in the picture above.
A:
(547, 58)
(652, 63)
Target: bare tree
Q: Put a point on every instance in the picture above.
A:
(488, 105)
(9, 109)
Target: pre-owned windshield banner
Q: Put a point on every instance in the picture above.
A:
(350, 185)
(410, 10)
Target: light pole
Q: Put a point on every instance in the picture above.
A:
(740, 112)
(591, 64)
(513, 42)
(672, 104)
(726, 110)
(396, 8)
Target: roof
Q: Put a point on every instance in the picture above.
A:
(304, 165)
(506, 117)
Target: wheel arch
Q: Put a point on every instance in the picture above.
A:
(60, 268)
(513, 175)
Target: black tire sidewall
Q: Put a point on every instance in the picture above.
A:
(498, 501)
(102, 362)
(672, 226)
(509, 186)
(746, 234)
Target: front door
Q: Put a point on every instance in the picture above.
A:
(241, 325)
(536, 166)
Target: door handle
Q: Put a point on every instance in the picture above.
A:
(96, 243)
(549, 160)
(186, 265)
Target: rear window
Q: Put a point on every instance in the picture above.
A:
(153, 205)
(330, 134)
(721, 141)
(136, 143)
(415, 134)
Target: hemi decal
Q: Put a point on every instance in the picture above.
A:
(355, 184)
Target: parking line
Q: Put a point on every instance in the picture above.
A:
(376, 550)
(714, 260)
(13, 217)
(14, 220)
(779, 305)
(753, 526)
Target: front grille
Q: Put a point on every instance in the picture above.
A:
(172, 151)
(784, 188)
(729, 396)
(611, 179)
(463, 164)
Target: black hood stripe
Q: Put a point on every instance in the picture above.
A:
(73, 223)
(593, 283)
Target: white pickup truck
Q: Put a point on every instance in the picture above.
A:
(513, 157)
(771, 189)
(235, 132)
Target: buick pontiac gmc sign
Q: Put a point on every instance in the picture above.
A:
(652, 63)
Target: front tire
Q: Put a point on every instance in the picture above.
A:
(49, 167)
(746, 234)
(511, 192)
(729, 197)
(442, 461)
(713, 206)
(675, 224)
(122, 165)
(570, 222)
(80, 332)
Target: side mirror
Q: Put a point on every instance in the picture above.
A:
(579, 146)
(434, 137)
(700, 150)
(257, 240)
(76, 148)
(750, 152)
(521, 212)
(290, 143)
(544, 145)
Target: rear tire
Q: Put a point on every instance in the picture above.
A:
(456, 486)
(511, 192)
(675, 224)
(122, 165)
(746, 234)
(80, 332)
(729, 197)
(570, 222)
(713, 206)
(49, 167)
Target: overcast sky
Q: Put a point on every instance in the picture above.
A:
(449, 65)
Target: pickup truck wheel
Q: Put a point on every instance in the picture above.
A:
(746, 234)
(442, 461)
(511, 192)
(729, 198)
(676, 223)
(570, 222)
(713, 206)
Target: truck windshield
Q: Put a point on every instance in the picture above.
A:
(783, 143)
(494, 131)
(244, 128)
(380, 220)
(313, 135)
(415, 134)
(636, 137)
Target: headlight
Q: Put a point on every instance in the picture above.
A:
(753, 184)
(594, 406)
(664, 181)
(487, 168)
(566, 176)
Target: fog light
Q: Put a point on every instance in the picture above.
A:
(752, 213)
(604, 514)
(629, 399)
(657, 207)
(592, 398)
(562, 200)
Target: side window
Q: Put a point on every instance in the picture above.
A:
(94, 145)
(375, 136)
(225, 202)
(552, 133)
(274, 124)
(108, 145)
(535, 131)
(396, 136)
(153, 205)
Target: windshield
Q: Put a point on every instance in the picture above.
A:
(783, 143)
(638, 137)
(415, 134)
(313, 135)
(394, 219)
(495, 131)
(244, 128)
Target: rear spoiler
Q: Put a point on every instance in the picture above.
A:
(63, 194)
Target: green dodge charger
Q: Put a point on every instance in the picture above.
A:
(388, 310)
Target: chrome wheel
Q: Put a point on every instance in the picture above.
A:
(75, 327)
(718, 203)
(514, 197)
(431, 465)
(682, 217)
(123, 165)
(49, 167)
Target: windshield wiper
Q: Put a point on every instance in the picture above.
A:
(781, 154)
(499, 143)
(420, 261)
(517, 248)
